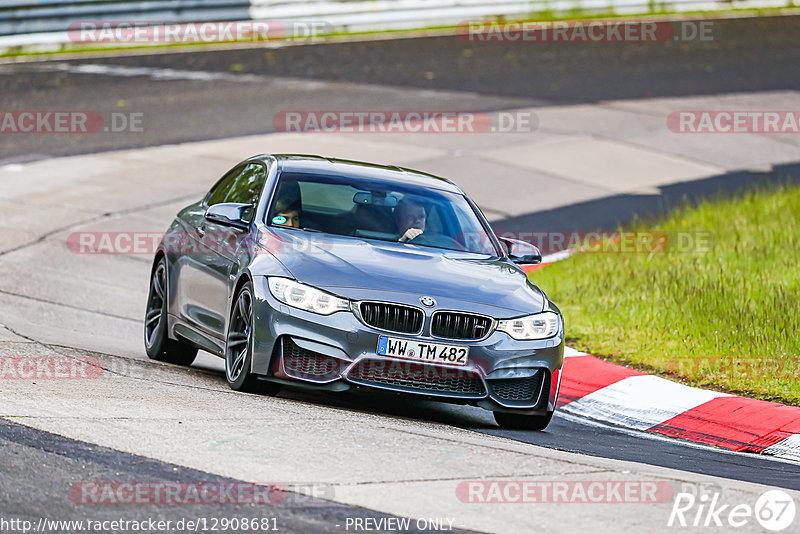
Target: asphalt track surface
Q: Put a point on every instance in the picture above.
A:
(569, 433)
(755, 56)
(37, 470)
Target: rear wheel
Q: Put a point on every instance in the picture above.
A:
(157, 343)
(239, 347)
(515, 421)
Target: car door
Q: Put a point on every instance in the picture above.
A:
(208, 270)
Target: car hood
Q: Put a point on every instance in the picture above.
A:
(362, 269)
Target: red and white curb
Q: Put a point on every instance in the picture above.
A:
(607, 392)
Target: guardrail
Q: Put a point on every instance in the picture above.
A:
(28, 16)
(29, 22)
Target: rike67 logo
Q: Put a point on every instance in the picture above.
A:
(774, 510)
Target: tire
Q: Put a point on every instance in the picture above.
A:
(239, 346)
(157, 343)
(515, 421)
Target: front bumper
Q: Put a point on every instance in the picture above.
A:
(338, 352)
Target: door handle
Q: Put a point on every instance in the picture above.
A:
(201, 231)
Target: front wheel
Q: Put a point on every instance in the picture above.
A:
(515, 421)
(157, 343)
(239, 346)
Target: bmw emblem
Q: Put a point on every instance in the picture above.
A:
(428, 301)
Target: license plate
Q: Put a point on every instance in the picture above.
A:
(423, 351)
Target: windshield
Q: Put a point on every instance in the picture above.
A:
(377, 209)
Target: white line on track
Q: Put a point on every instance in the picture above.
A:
(154, 73)
(788, 448)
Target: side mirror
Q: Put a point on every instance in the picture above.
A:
(230, 214)
(521, 252)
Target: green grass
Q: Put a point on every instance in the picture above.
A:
(725, 318)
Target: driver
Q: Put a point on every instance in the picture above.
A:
(409, 217)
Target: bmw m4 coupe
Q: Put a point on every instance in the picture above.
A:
(304, 271)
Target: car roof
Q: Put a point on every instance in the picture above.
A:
(311, 164)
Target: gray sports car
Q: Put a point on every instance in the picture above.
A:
(304, 271)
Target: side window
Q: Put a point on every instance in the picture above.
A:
(223, 187)
(248, 185)
(243, 184)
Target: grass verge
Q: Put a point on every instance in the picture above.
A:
(724, 316)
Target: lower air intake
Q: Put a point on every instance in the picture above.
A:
(308, 365)
(419, 378)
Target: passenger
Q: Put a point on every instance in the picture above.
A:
(409, 217)
(286, 213)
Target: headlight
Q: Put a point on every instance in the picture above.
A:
(306, 297)
(539, 326)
